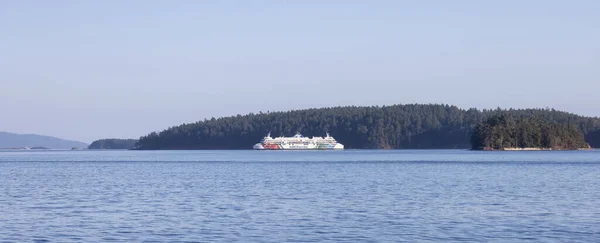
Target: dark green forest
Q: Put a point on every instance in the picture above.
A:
(411, 126)
(504, 131)
(593, 138)
(113, 143)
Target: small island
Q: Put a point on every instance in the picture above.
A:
(502, 132)
(39, 147)
(113, 143)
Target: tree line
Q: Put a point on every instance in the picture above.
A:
(504, 131)
(113, 143)
(410, 126)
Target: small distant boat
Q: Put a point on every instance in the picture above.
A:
(298, 142)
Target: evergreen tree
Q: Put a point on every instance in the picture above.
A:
(503, 131)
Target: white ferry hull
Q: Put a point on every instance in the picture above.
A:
(298, 142)
(291, 147)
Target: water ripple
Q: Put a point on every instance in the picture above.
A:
(355, 196)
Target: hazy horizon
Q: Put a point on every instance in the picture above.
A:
(111, 69)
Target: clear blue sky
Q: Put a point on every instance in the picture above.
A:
(94, 69)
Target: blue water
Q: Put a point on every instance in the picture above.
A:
(300, 196)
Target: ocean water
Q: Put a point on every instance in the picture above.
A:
(300, 196)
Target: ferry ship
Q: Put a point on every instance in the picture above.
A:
(298, 142)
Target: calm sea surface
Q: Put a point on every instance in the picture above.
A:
(300, 196)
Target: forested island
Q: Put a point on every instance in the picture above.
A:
(39, 147)
(412, 126)
(113, 143)
(504, 132)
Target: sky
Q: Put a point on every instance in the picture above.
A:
(86, 70)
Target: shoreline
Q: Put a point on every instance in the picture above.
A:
(532, 149)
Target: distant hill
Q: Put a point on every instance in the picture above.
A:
(113, 143)
(12, 140)
(412, 126)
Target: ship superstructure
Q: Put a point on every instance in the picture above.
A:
(298, 142)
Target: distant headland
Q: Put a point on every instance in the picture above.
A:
(410, 126)
(34, 141)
